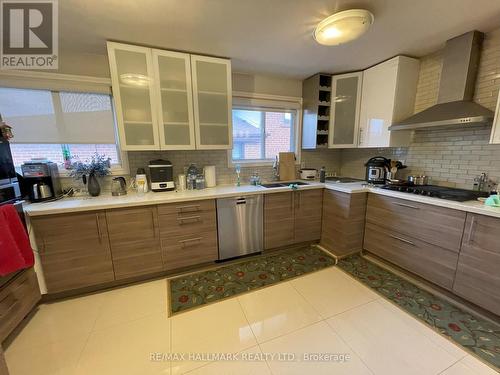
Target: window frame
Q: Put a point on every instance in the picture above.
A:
(21, 79)
(264, 102)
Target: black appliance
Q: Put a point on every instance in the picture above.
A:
(162, 175)
(9, 185)
(376, 169)
(452, 194)
(41, 181)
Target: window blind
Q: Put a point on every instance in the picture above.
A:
(43, 116)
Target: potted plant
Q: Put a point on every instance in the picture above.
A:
(98, 166)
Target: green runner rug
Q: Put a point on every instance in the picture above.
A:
(475, 334)
(195, 289)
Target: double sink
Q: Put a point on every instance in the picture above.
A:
(284, 184)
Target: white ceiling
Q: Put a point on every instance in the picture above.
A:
(271, 36)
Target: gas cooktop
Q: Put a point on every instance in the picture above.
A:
(452, 194)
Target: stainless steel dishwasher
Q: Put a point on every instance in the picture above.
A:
(240, 226)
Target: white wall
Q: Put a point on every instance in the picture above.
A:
(266, 84)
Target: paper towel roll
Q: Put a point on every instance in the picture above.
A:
(209, 171)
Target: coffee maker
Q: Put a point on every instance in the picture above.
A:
(40, 181)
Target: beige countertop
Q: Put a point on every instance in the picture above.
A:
(106, 201)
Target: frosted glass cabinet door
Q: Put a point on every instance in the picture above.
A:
(345, 105)
(173, 88)
(212, 102)
(133, 89)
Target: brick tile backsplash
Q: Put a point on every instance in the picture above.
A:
(225, 174)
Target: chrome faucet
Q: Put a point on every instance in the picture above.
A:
(483, 183)
(276, 168)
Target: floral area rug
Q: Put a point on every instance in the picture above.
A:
(479, 336)
(204, 287)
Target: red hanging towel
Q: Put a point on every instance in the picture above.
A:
(15, 248)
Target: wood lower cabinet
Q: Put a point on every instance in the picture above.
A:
(292, 217)
(431, 262)
(439, 226)
(188, 233)
(74, 250)
(3, 365)
(135, 241)
(17, 299)
(478, 270)
(307, 215)
(343, 222)
(278, 219)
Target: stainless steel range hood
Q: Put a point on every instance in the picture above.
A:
(456, 89)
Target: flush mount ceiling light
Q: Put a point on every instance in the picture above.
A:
(134, 79)
(343, 27)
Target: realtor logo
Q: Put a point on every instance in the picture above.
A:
(29, 34)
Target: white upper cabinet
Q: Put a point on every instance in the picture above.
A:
(133, 90)
(344, 112)
(212, 102)
(495, 131)
(388, 96)
(173, 88)
(169, 100)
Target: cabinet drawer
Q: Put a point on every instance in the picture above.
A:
(188, 250)
(16, 300)
(187, 223)
(433, 263)
(436, 225)
(186, 208)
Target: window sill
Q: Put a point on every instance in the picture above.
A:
(250, 163)
(115, 171)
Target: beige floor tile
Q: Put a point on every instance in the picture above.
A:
(134, 302)
(455, 350)
(316, 338)
(126, 349)
(248, 362)
(217, 328)
(71, 319)
(388, 344)
(50, 358)
(277, 310)
(332, 292)
(469, 366)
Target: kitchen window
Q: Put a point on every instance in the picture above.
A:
(262, 129)
(60, 126)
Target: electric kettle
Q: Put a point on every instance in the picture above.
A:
(118, 186)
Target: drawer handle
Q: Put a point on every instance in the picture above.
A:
(182, 219)
(402, 240)
(407, 206)
(188, 241)
(193, 207)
